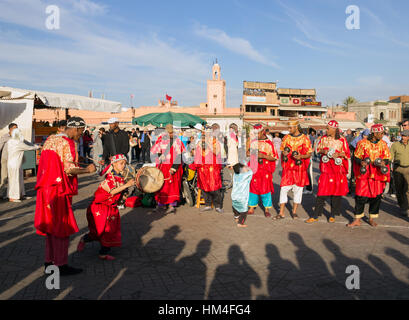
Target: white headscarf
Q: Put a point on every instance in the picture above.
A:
(16, 135)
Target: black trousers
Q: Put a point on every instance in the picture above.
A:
(374, 205)
(240, 215)
(335, 206)
(145, 151)
(401, 185)
(214, 197)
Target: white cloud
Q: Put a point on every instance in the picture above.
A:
(84, 55)
(310, 30)
(237, 45)
(88, 7)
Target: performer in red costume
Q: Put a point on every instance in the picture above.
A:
(168, 151)
(296, 152)
(263, 157)
(207, 163)
(56, 184)
(104, 220)
(334, 166)
(371, 169)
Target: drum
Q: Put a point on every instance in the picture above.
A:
(149, 179)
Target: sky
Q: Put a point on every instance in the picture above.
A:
(153, 48)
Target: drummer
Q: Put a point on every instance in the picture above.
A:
(103, 215)
(168, 151)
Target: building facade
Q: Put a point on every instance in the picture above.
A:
(264, 102)
(404, 101)
(387, 113)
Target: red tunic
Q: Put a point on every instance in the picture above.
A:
(333, 180)
(170, 191)
(55, 189)
(372, 183)
(104, 220)
(293, 174)
(262, 181)
(208, 167)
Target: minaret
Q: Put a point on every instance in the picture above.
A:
(216, 91)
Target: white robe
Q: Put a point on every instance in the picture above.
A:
(232, 149)
(16, 150)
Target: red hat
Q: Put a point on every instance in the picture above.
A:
(117, 158)
(377, 128)
(333, 124)
(258, 127)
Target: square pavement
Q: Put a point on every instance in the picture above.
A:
(195, 256)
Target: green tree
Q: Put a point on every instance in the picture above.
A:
(348, 101)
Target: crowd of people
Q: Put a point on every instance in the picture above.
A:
(364, 162)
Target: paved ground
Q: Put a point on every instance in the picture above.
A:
(205, 256)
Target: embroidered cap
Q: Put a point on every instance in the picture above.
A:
(76, 122)
(294, 123)
(258, 127)
(377, 128)
(117, 158)
(333, 124)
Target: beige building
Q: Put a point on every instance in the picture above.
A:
(264, 102)
(388, 113)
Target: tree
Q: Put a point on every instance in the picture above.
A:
(348, 101)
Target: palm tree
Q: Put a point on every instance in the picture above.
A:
(348, 101)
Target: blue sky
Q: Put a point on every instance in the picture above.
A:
(150, 48)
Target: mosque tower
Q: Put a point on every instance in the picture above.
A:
(216, 91)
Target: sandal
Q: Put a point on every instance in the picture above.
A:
(295, 216)
(278, 217)
(107, 258)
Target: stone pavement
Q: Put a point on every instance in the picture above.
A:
(205, 256)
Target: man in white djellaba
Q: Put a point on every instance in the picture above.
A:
(15, 148)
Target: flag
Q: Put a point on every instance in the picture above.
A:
(169, 98)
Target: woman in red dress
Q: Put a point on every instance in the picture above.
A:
(103, 217)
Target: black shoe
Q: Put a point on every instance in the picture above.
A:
(66, 270)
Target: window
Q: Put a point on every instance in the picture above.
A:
(257, 109)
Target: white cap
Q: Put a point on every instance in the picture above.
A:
(198, 126)
(113, 120)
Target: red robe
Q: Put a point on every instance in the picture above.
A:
(208, 167)
(293, 174)
(104, 220)
(170, 191)
(55, 189)
(262, 181)
(333, 180)
(372, 183)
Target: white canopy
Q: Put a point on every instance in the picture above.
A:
(61, 100)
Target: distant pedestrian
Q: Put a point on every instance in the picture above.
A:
(15, 151)
(116, 141)
(4, 159)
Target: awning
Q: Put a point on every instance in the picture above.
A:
(301, 108)
(61, 100)
(353, 125)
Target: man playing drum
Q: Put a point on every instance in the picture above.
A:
(168, 151)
